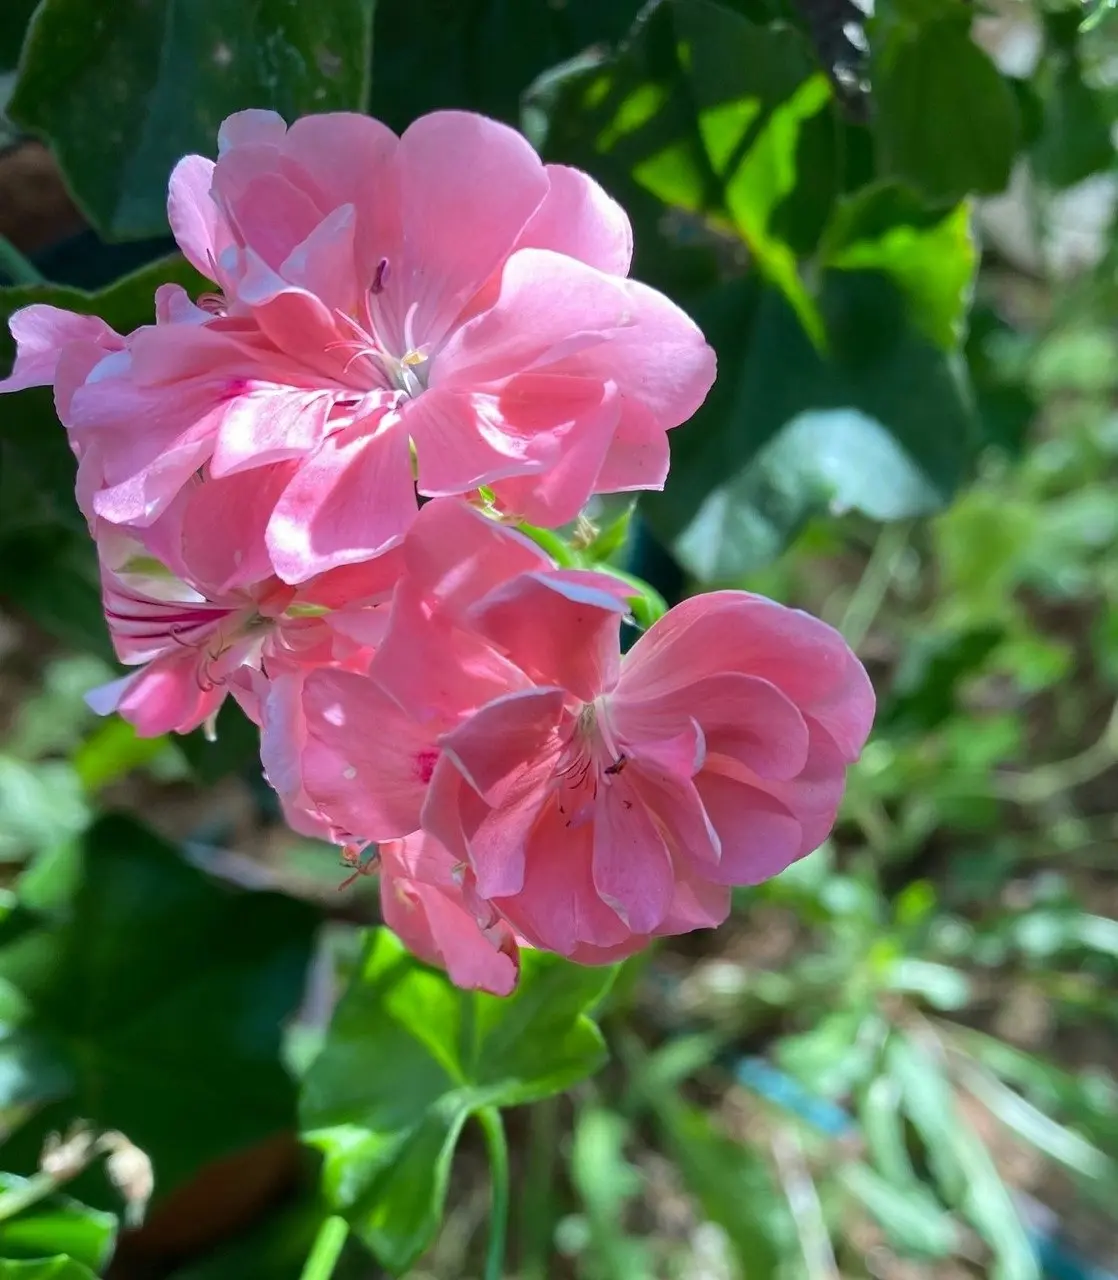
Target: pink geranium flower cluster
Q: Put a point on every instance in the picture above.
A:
(438, 317)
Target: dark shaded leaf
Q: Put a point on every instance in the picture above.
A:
(146, 992)
(882, 425)
(122, 92)
(931, 84)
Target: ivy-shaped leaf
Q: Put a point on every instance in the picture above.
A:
(409, 1058)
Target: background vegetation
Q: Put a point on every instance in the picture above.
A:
(896, 1060)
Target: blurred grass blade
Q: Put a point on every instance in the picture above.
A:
(910, 1215)
(1044, 1133)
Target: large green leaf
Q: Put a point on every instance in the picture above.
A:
(409, 1058)
(138, 995)
(14, 17)
(883, 424)
(480, 54)
(944, 119)
(58, 1222)
(122, 91)
(703, 111)
(1074, 139)
(59, 1268)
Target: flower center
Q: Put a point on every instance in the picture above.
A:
(372, 348)
(591, 753)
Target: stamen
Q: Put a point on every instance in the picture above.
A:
(381, 277)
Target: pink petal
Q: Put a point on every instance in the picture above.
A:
(458, 445)
(423, 904)
(815, 795)
(759, 836)
(250, 128)
(349, 159)
(696, 904)
(638, 454)
(632, 868)
(578, 218)
(805, 659)
(438, 929)
(562, 628)
(267, 209)
(659, 359)
(679, 812)
(323, 263)
(559, 907)
(269, 424)
(432, 669)
(366, 764)
(223, 528)
(747, 717)
(456, 554)
(551, 310)
(283, 739)
(352, 499)
(468, 186)
(558, 493)
(506, 752)
(41, 332)
(167, 696)
(196, 222)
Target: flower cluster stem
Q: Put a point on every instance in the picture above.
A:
(497, 1147)
(328, 1246)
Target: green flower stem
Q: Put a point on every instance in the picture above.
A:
(328, 1246)
(16, 267)
(497, 1146)
(869, 595)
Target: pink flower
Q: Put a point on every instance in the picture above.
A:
(621, 800)
(429, 904)
(196, 643)
(443, 294)
(597, 801)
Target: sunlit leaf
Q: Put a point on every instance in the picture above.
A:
(409, 1058)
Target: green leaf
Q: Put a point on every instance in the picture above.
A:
(122, 92)
(932, 85)
(912, 1218)
(881, 425)
(927, 1100)
(752, 92)
(14, 17)
(703, 110)
(1074, 139)
(479, 54)
(409, 1058)
(964, 1171)
(940, 985)
(57, 1222)
(59, 1268)
(41, 805)
(606, 1182)
(141, 992)
(1054, 1139)
(883, 1129)
(930, 255)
